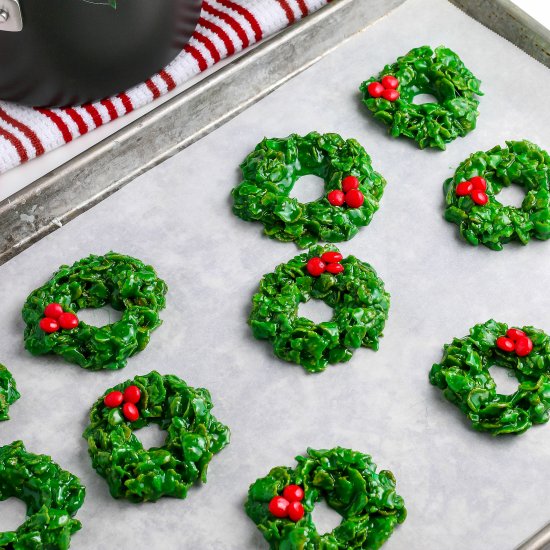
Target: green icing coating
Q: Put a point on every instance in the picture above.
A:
(348, 481)
(8, 392)
(273, 168)
(193, 437)
(53, 497)
(495, 224)
(124, 283)
(440, 73)
(358, 299)
(463, 375)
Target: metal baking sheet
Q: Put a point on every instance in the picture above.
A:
(463, 489)
(511, 22)
(539, 541)
(58, 197)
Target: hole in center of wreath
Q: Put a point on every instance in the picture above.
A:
(315, 310)
(151, 436)
(325, 518)
(506, 382)
(99, 317)
(308, 189)
(420, 99)
(512, 196)
(13, 512)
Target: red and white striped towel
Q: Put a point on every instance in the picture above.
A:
(225, 27)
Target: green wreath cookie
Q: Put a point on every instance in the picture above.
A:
(471, 195)
(347, 285)
(352, 188)
(52, 495)
(124, 283)
(281, 503)
(441, 73)
(193, 437)
(463, 375)
(8, 393)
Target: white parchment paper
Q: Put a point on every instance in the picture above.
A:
(463, 489)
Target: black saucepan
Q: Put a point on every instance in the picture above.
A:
(69, 52)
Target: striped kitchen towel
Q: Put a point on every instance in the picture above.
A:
(225, 27)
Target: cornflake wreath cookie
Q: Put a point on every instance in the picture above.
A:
(347, 285)
(471, 195)
(53, 497)
(8, 393)
(124, 283)
(441, 73)
(463, 375)
(194, 436)
(281, 503)
(352, 188)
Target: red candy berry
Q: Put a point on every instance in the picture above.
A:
(464, 188)
(505, 344)
(68, 321)
(479, 183)
(336, 197)
(132, 394)
(49, 325)
(335, 268)
(53, 311)
(130, 412)
(293, 493)
(375, 89)
(524, 346)
(349, 183)
(113, 399)
(331, 257)
(515, 333)
(479, 197)
(278, 506)
(390, 82)
(295, 511)
(390, 95)
(354, 198)
(316, 267)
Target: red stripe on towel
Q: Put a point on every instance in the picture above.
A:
(288, 11)
(153, 88)
(94, 113)
(170, 84)
(25, 130)
(224, 37)
(199, 58)
(209, 46)
(229, 20)
(16, 142)
(126, 102)
(246, 14)
(303, 7)
(79, 121)
(59, 122)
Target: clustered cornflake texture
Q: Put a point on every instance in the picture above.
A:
(440, 73)
(8, 392)
(463, 375)
(124, 283)
(357, 296)
(193, 437)
(53, 497)
(348, 482)
(272, 169)
(494, 224)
